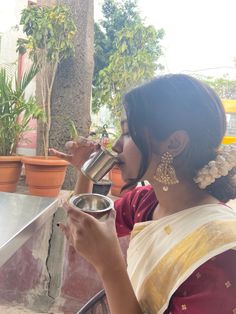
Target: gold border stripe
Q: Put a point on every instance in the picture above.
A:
(197, 245)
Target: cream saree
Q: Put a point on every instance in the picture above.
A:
(163, 253)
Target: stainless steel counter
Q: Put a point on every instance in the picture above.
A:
(20, 216)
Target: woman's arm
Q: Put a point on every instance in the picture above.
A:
(83, 184)
(119, 291)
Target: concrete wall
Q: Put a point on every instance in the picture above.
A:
(46, 275)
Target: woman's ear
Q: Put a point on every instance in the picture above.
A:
(177, 142)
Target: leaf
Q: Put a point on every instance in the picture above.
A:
(126, 52)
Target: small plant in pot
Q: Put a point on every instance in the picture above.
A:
(50, 32)
(15, 113)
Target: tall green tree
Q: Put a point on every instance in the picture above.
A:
(126, 53)
(116, 16)
(50, 32)
(134, 61)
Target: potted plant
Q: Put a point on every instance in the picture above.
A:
(50, 32)
(15, 114)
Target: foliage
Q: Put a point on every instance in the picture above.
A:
(74, 134)
(134, 61)
(50, 32)
(225, 87)
(117, 15)
(15, 110)
(126, 53)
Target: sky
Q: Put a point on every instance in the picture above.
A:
(200, 35)
(7, 15)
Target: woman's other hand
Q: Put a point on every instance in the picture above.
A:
(78, 151)
(95, 240)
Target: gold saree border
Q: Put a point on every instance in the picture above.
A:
(139, 227)
(193, 250)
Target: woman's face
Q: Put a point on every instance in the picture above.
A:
(128, 153)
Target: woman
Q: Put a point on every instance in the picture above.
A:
(181, 258)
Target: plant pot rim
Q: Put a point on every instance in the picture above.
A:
(42, 160)
(10, 158)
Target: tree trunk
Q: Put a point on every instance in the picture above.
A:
(71, 96)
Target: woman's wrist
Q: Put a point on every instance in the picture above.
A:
(114, 264)
(83, 184)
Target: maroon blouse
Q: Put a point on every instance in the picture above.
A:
(211, 289)
(136, 205)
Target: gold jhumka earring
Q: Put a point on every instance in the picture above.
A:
(165, 172)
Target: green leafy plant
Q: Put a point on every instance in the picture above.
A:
(15, 110)
(50, 32)
(73, 131)
(133, 62)
(126, 52)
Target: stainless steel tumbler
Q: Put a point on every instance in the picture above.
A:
(99, 164)
(96, 205)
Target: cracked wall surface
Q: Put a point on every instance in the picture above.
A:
(25, 276)
(46, 275)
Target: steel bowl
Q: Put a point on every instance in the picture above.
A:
(96, 205)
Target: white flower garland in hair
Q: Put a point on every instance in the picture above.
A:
(225, 161)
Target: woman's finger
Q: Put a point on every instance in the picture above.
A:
(112, 214)
(64, 229)
(68, 232)
(111, 217)
(75, 214)
(86, 142)
(59, 154)
(71, 145)
(79, 216)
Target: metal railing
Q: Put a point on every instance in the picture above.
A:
(96, 305)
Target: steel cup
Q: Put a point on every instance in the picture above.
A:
(96, 205)
(99, 164)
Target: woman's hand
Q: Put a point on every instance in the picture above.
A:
(78, 151)
(95, 240)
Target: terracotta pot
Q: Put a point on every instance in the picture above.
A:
(117, 181)
(44, 176)
(10, 169)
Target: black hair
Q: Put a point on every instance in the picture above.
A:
(179, 102)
